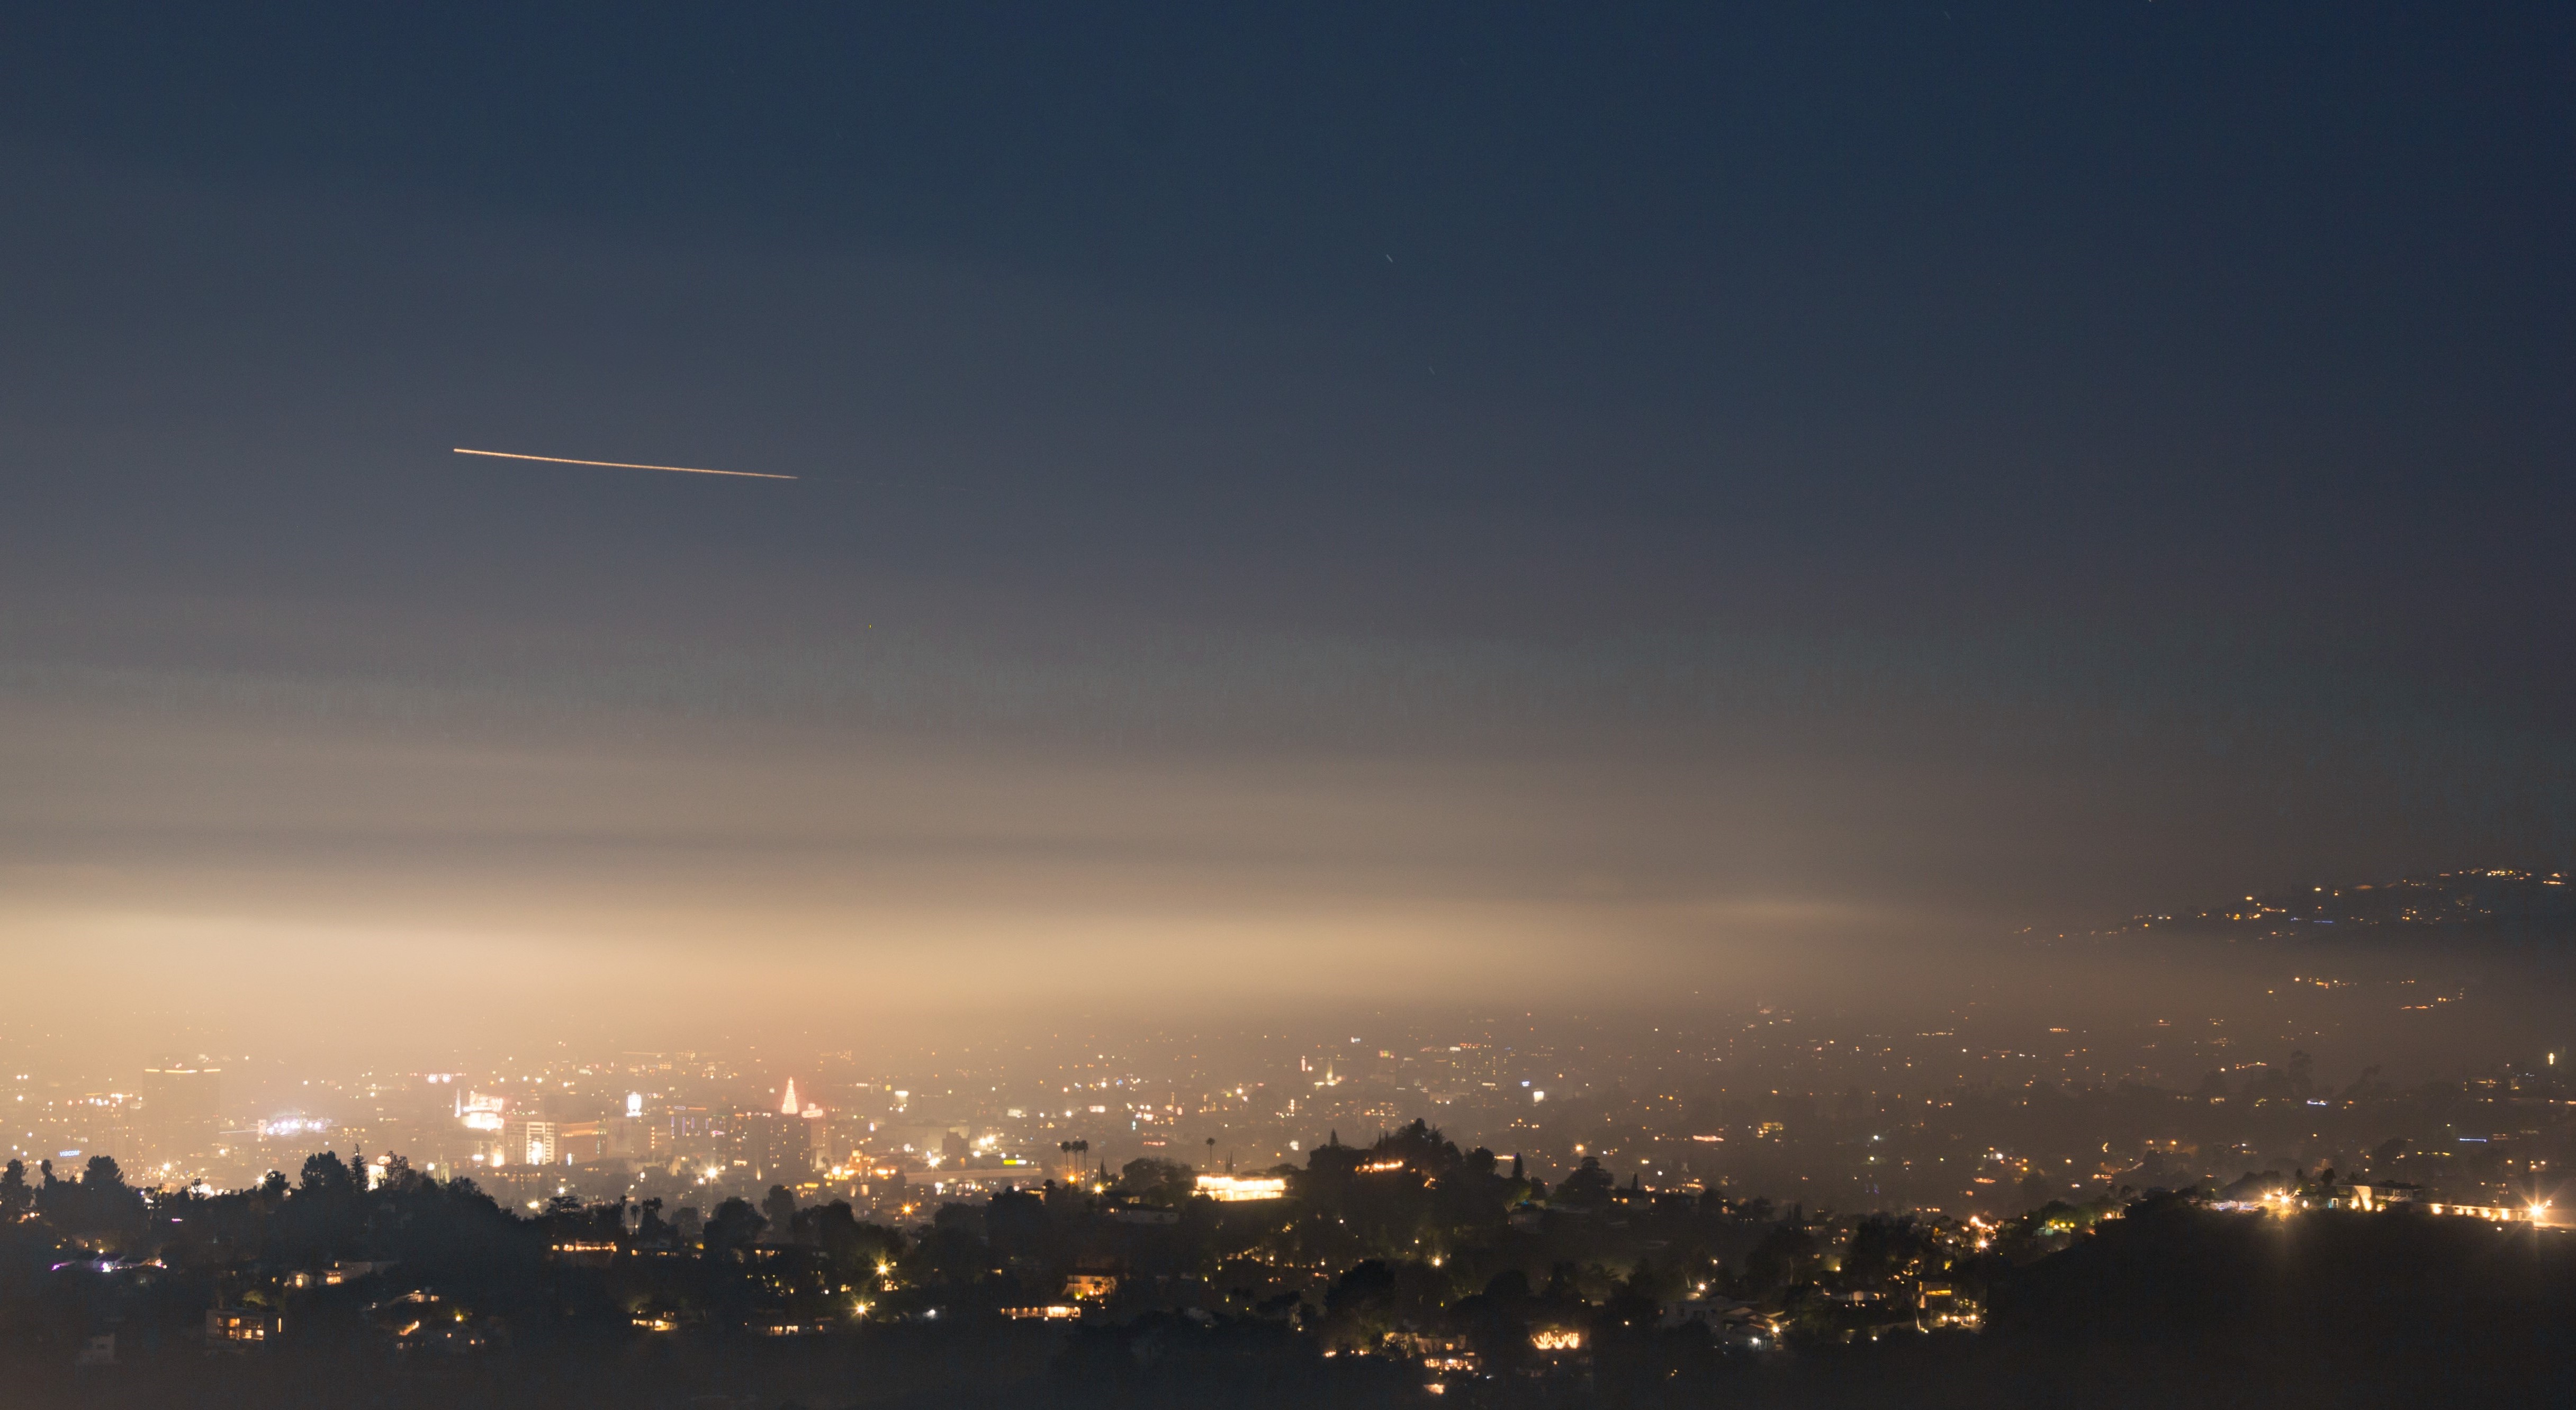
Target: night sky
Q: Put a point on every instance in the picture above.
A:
(1393, 501)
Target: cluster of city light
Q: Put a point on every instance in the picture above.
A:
(293, 1126)
(1234, 1189)
(477, 1112)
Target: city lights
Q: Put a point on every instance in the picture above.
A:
(1234, 1189)
(1949, 630)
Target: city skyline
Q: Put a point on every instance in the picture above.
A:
(1144, 705)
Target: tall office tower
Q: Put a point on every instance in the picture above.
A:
(531, 1142)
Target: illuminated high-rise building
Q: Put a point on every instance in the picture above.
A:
(477, 1112)
(581, 1142)
(531, 1142)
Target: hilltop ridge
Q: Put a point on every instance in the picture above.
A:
(2490, 903)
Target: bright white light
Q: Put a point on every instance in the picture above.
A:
(1235, 1189)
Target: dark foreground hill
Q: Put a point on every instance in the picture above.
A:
(2173, 1305)
(2185, 1306)
(2180, 1305)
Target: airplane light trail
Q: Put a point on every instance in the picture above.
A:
(622, 464)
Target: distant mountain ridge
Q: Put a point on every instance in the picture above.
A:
(2497, 903)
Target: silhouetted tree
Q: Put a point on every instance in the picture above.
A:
(323, 1174)
(1588, 1187)
(778, 1207)
(1420, 1146)
(733, 1226)
(1016, 1223)
(101, 1206)
(854, 1249)
(1640, 1296)
(1163, 1183)
(1786, 1255)
(17, 1197)
(1884, 1247)
(1359, 1308)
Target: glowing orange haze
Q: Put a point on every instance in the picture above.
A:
(225, 873)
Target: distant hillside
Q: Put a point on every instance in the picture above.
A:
(2495, 904)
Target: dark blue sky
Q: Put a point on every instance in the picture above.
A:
(1928, 466)
(2135, 289)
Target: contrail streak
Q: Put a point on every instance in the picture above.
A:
(622, 464)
